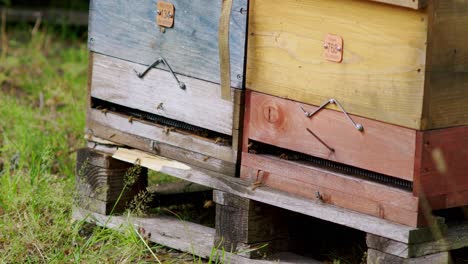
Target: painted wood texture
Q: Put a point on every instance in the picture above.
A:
(334, 188)
(415, 4)
(443, 171)
(154, 132)
(380, 147)
(447, 64)
(200, 104)
(127, 29)
(382, 73)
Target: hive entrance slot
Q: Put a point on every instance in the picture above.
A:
(260, 148)
(169, 124)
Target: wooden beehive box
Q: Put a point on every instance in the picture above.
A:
(361, 104)
(155, 79)
(403, 62)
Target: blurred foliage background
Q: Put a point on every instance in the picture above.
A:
(65, 4)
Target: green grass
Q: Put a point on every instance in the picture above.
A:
(42, 118)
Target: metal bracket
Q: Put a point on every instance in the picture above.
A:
(160, 60)
(333, 101)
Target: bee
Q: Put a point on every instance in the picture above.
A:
(104, 110)
(252, 151)
(208, 204)
(284, 156)
(256, 184)
(205, 159)
(160, 106)
(130, 119)
(168, 129)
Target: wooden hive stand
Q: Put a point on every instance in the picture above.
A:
(252, 220)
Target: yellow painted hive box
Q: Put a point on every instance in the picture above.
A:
(403, 62)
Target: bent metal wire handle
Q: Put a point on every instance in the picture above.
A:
(333, 101)
(159, 60)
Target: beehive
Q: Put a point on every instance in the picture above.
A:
(403, 66)
(155, 79)
(361, 104)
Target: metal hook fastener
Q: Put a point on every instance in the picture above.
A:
(159, 60)
(320, 140)
(333, 101)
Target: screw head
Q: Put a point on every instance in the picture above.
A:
(359, 127)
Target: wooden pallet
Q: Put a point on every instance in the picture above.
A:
(254, 209)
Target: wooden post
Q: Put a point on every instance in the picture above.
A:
(248, 228)
(384, 250)
(105, 185)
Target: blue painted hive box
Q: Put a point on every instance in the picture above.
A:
(155, 78)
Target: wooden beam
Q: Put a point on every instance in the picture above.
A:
(161, 147)
(377, 257)
(455, 238)
(281, 199)
(157, 133)
(176, 188)
(181, 235)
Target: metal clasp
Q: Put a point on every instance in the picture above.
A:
(159, 60)
(333, 101)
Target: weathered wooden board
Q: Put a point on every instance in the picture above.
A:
(242, 224)
(181, 235)
(380, 147)
(160, 148)
(158, 134)
(200, 104)
(101, 183)
(456, 238)
(378, 257)
(415, 4)
(314, 208)
(382, 73)
(127, 29)
(443, 171)
(332, 188)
